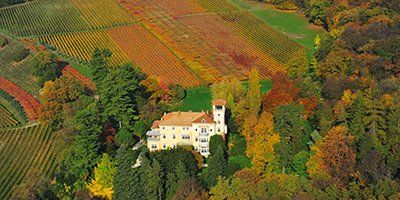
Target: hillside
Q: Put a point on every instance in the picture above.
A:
(183, 44)
(24, 149)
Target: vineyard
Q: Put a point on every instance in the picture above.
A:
(152, 56)
(191, 43)
(18, 72)
(205, 34)
(41, 18)
(24, 149)
(82, 44)
(28, 102)
(6, 118)
(71, 72)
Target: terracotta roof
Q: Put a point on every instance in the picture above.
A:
(155, 124)
(204, 119)
(184, 118)
(219, 102)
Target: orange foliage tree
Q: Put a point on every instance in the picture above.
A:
(334, 157)
(283, 92)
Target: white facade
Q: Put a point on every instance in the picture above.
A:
(188, 128)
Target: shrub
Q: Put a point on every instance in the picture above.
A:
(3, 41)
(237, 145)
(215, 142)
(20, 54)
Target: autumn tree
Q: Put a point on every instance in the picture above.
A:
(190, 189)
(335, 156)
(250, 106)
(283, 92)
(260, 147)
(46, 67)
(298, 65)
(57, 99)
(34, 186)
(102, 184)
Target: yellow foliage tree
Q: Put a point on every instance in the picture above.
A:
(102, 184)
(261, 145)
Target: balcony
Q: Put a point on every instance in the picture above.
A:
(153, 139)
(203, 134)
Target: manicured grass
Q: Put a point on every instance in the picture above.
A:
(291, 23)
(199, 98)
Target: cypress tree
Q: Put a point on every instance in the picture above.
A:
(171, 185)
(216, 167)
(127, 183)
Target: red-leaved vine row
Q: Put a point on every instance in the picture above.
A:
(27, 101)
(71, 72)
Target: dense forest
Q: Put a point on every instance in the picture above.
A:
(328, 129)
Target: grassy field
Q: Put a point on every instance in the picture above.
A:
(291, 23)
(199, 98)
(19, 72)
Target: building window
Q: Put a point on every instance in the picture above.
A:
(203, 140)
(196, 129)
(210, 130)
(204, 151)
(164, 146)
(197, 139)
(219, 114)
(154, 146)
(203, 121)
(173, 128)
(219, 130)
(163, 128)
(219, 122)
(173, 136)
(164, 136)
(203, 130)
(185, 137)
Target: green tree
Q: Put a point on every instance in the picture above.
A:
(174, 180)
(294, 133)
(99, 64)
(152, 175)
(217, 166)
(46, 67)
(127, 180)
(83, 155)
(117, 95)
(215, 142)
(124, 138)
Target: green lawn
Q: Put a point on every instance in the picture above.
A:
(199, 98)
(291, 23)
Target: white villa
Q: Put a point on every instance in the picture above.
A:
(188, 128)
